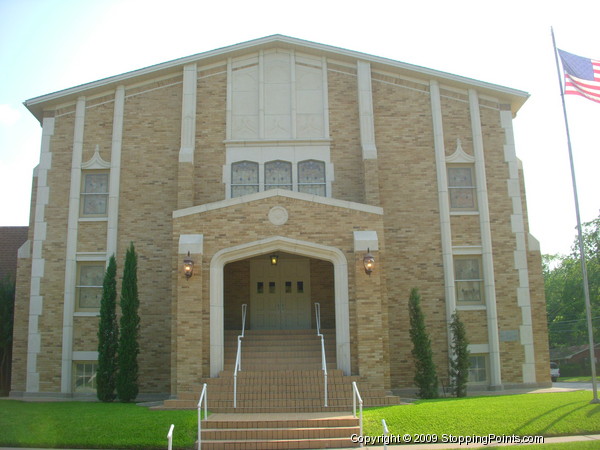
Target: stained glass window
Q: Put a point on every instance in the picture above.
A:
(461, 188)
(244, 178)
(477, 369)
(278, 175)
(311, 177)
(85, 376)
(94, 195)
(469, 281)
(89, 286)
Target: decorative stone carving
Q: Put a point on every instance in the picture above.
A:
(278, 215)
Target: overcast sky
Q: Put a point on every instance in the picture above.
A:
(50, 45)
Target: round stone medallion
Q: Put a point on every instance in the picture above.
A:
(278, 215)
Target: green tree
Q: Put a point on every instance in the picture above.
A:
(459, 364)
(127, 377)
(425, 373)
(563, 285)
(108, 335)
(7, 308)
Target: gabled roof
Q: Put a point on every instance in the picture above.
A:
(515, 97)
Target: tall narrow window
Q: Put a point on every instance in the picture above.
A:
(94, 194)
(244, 178)
(469, 280)
(278, 175)
(89, 286)
(311, 177)
(461, 188)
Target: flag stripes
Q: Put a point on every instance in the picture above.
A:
(582, 76)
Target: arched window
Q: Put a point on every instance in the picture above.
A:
(278, 175)
(311, 177)
(244, 178)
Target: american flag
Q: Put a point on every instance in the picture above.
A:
(582, 75)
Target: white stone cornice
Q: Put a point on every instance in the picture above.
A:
(274, 193)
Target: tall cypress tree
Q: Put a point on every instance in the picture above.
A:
(425, 374)
(459, 364)
(127, 386)
(108, 335)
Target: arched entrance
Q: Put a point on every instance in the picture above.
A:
(291, 247)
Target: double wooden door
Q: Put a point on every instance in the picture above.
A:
(280, 294)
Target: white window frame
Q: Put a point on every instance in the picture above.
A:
(92, 375)
(486, 369)
(481, 280)
(472, 188)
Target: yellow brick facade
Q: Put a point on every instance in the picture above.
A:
(138, 125)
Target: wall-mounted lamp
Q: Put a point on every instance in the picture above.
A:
(274, 259)
(369, 262)
(188, 266)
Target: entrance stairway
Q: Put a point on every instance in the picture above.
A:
(280, 395)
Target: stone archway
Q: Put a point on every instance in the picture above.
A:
(272, 244)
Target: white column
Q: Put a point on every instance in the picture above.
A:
(36, 300)
(115, 173)
(520, 254)
(71, 251)
(365, 108)
(188, 114)
(486, 243)
(444, 204)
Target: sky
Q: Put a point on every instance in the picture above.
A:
(50, 45)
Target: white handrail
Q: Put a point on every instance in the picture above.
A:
(323, 358)
(170, 437)
(355, 395)
(386, 433)
(203, 398)
(238, 358)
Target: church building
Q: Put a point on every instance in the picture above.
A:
(313, 184)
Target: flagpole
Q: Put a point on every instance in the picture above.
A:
(586, 289)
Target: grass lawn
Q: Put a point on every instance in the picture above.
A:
(586, 379)
(555, 414)
(93, 425)
(127, 426)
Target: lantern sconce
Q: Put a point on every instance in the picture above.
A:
(369, 262)
(274, 259)
(188, 266)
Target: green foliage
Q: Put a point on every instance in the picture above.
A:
(563, 284)
(7, 307)
(425, 373)
(459, 364)
(93, 425)
(108, 335)
(549, 414)
(127, 377)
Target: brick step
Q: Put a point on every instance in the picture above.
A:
(281, 405)
(338, 421)
(279, 444)
(278, 433)
(303, 374)
(297, 332)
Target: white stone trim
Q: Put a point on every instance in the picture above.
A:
(96, 162)
(85, 356)
(444, 205)
(365, 110)
(192, 243)
(279, 243)
(36, 300)
(188, 114)
(365, 240)
(459, 156)
(71, 250)
(520, 254)
(486, 242)
(274, 193)
(479, 348)
(115, 173)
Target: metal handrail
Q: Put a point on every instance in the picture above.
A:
(386, 433)
(238, 358)
(170, 437)
(203, 398)
(323, 358)
(355, 395)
